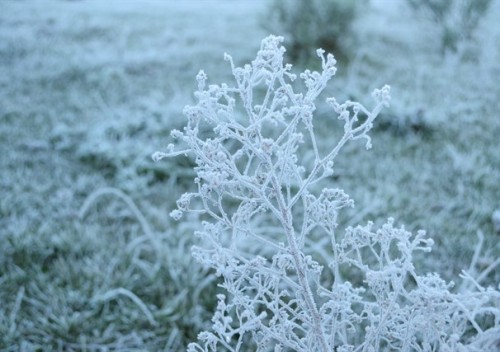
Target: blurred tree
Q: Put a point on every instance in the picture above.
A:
(458, 19)
(311, 24)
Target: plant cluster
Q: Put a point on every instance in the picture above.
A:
(262, 203)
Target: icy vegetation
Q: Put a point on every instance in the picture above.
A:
(258, 192)
(90, 259)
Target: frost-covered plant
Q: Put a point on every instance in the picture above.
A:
(457, 20)
(311, 24)
(261, 204)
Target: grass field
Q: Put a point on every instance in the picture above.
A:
(90, 89)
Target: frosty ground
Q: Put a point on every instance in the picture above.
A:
(90, 90)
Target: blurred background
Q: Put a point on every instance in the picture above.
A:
(89, 258)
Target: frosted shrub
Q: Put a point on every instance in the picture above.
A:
(261, 200)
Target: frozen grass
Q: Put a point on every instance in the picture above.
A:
(89, 89)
